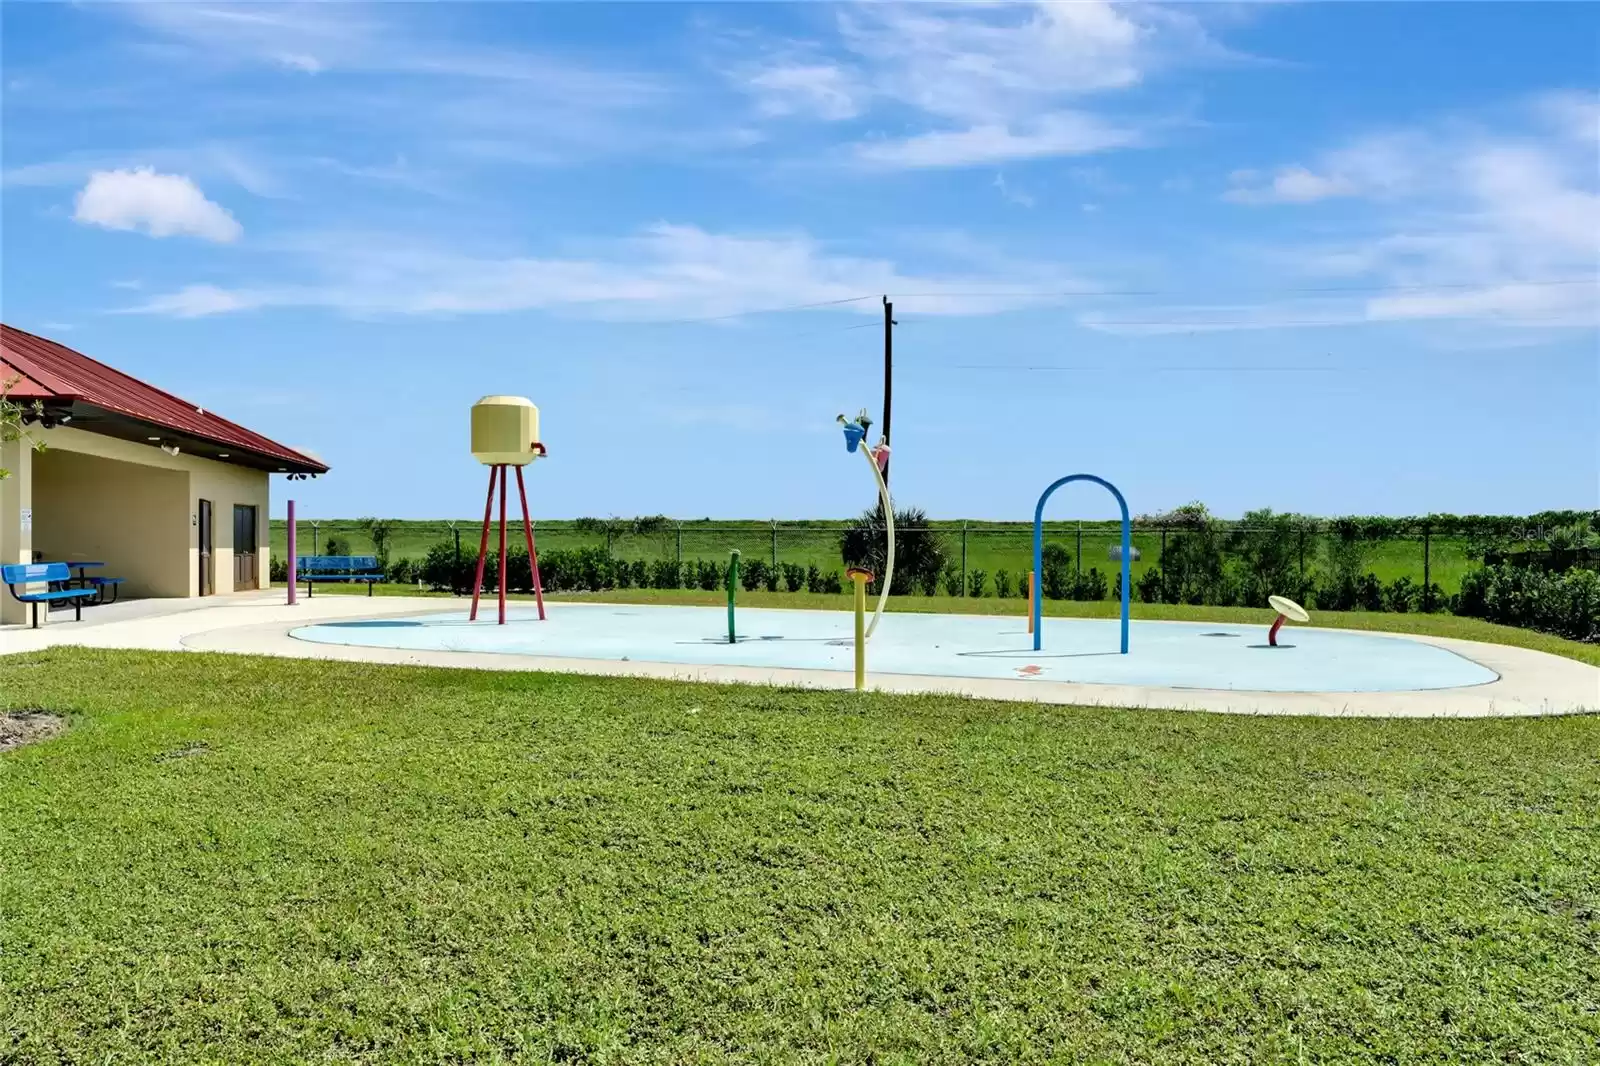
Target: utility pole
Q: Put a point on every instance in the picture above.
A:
(888, 374)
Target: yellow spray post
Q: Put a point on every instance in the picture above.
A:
(860, 577)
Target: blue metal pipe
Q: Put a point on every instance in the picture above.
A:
(1038, 555)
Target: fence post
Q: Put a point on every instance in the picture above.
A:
(1163, 560)
(1302, 590)
(680, 547)
(774, 544)
(1080, 547)
(963, 557)
(608, 540)
(455, 569)
(1427, 568)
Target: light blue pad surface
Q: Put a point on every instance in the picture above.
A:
(1165, 654)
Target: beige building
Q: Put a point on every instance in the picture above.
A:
(169, 497)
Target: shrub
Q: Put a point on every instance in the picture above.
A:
(438, 569)
(277, 570)
(952, 580)
(1057, 579)
(930, 582)
(1191, 564)
(709, 574)
(1401, 596)
(753, 575)
(1089, 586)
(795, 577)
(401, 572)
(640, 575)
(1002, 584)
(1268, 557)
(918, 550)
(814, 579)
(665, 574)
(1567, 604)
(832, 582)
(335, 545)
(977, 583)
(1149, 586)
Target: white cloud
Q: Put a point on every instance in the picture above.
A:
(197, 301)
(815, 89)
(162, 205)
(1494, 220)
(1384, 165)
(1290, 185)
(1060, 134)
(1010, 194)
(668, 271)
(211, 161)
(993, 82)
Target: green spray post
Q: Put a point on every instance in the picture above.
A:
(733, 583)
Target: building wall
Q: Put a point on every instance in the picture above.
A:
(226, 486)
(131, 517)
(16, 521)
(222, 483)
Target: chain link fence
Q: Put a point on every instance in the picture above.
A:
(970, 548)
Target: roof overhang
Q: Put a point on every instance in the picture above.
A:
(77, 414)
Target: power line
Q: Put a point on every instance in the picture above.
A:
(1146, 369)
(1090, 293)
(1332, 289)
(761, 311)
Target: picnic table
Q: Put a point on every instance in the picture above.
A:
(98, 583)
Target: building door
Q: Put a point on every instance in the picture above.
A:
(244, 547)
(206, 584)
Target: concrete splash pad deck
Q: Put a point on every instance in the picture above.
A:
(1084, 651)
(1530, 682)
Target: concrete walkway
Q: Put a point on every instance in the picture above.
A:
(1530, 682)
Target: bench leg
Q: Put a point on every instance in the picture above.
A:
(36, 614)
(369, 589)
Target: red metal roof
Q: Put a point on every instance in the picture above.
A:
(50, 371)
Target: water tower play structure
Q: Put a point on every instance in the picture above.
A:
(505, 435)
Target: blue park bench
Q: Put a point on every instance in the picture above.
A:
(315, 568)
(54, 576)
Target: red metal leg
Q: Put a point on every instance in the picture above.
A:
(502, 545)
(483, 545)
(533, 554)
(1272, 634)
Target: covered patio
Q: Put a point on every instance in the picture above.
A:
(133, 482)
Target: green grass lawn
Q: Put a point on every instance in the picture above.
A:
(236, 860)
(990, 546)
(1435, 625)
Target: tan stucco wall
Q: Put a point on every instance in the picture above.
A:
(175, 512)
(132, 518)
(16, 537)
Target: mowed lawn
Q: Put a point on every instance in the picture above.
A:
(238, 860)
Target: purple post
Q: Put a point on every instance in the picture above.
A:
(293, 560)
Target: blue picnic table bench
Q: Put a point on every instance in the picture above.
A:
(314, 568)
(55, 577)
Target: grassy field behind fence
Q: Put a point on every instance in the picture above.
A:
(989, 546)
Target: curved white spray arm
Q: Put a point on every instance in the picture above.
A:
(888, 513)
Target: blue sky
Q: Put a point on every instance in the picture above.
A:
(1332, 259)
